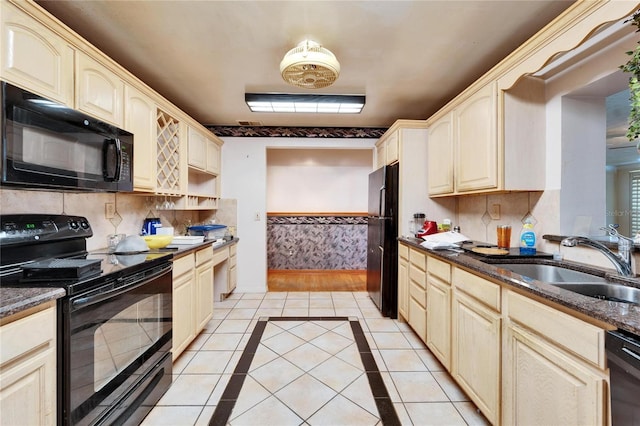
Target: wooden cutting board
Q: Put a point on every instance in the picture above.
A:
(491, 251)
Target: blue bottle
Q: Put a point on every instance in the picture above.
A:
(527, 239)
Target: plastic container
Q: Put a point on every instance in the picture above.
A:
(528, 239)
(209, 232)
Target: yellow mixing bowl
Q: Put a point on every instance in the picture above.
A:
(157, 241)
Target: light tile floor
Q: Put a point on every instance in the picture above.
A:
(423, 393)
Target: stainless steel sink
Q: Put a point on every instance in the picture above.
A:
(613, 292)
(576, 281)
(551, 273)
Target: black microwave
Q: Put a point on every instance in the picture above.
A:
(48, 145)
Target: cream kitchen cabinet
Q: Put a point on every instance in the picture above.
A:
(140, 119)
(99, 91)
(439, 310)
(479, 144)
(403, 282)
(418, 292)
(203, 300)
(553, 367)
(34, 57)
(184, 328)
(233, 272)
(387, 149)
(192, 297)
(440, 154)
(197, 156)
(28, 369)
(213, 157)
(476, 147)
(476, 340)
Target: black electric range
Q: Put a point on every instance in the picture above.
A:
(103, 376)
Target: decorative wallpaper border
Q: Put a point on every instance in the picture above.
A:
(316, 220)
(298, 132)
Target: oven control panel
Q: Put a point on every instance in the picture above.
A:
(25, 228)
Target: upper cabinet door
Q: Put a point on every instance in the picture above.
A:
(475, 128)
(197, 149)
(440, 156)
(140, 119)
(100, 92)
(34, 57)
(213, 157)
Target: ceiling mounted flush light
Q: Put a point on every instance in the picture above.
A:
(304, 103)
(310, 66)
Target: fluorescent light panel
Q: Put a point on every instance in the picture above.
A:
(304, 103)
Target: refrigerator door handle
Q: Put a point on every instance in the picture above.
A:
(382, 206)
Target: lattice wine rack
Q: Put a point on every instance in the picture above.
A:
(168, 176)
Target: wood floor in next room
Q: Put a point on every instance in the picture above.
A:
(316, 280)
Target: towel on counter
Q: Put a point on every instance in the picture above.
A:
(443, 240)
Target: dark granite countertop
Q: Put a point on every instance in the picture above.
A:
(625, 316)
(16, 299)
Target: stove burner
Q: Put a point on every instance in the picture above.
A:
(61, 269)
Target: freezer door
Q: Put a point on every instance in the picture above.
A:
(375, 253)
(376, 192)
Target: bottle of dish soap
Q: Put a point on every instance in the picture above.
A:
(527, 238)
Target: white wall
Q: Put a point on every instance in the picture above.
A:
(244, 171)
(318, 180)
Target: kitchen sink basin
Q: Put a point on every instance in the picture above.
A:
(551, 273)
(613, 292)
(576, 281)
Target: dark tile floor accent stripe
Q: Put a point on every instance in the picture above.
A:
(386, 410)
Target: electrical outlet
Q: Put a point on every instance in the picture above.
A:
(109, 210)
(494, 211)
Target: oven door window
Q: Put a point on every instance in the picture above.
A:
(125, 337)
(114, 336)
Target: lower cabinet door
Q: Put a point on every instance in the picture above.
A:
(203, 301)
(183, 317)
(418, 318)
(439, 320)
(544, 385)
(476, 341)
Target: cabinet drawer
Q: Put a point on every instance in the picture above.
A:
(478, 288)
(403, 251)
(183, 265)
(439, 268)
(417, 276)
(27, 333)
(418, 258)
(233, 248)
(418, 294)
(203, 256)
(220, 255)
(582, 339)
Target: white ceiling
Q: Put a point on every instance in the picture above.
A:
(408, 57)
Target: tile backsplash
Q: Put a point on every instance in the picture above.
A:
(131, 210)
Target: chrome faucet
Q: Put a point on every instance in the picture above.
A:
(622, 261)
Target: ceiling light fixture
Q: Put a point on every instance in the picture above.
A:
(310, 66)
(304, 103)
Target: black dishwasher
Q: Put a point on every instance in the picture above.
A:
(623, 357)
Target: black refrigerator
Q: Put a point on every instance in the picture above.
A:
(382, 244)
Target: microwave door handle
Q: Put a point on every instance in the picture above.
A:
(118, 166)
